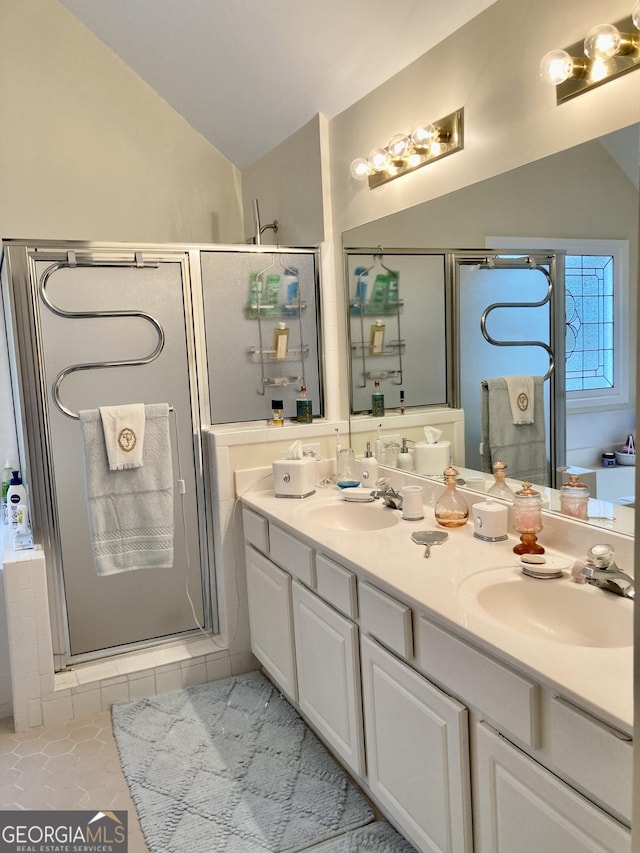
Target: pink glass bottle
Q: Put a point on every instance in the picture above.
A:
(451, 509)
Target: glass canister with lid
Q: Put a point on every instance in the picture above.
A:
(527, 519)
(574, 498)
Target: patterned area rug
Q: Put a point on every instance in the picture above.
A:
(229, 767)
(374, 838)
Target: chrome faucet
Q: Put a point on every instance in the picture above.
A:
(388, 494)
(601, 571)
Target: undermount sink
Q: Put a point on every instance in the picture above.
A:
(557, 610)
(344, 515)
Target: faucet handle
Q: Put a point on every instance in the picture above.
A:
(601, 555)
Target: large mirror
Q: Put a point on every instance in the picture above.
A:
(585, 202)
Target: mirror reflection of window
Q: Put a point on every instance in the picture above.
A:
(597, 289)
(589, 307)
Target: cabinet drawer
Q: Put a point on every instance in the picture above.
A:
(336, 585)
(256, 530)
(511, 701)
(292, 555)
(386, 619)
(594, 755)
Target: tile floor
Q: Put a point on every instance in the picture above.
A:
(74, 765)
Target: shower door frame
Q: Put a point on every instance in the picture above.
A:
(32, 410)
(522, 260)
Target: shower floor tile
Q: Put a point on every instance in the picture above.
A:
(74, 765)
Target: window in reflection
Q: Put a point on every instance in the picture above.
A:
(590, 322)
(607, 338)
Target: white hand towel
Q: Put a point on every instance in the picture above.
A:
(123, 428)
(130, 512)
(520, 390)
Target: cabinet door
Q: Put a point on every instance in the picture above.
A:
(519, 805)
(329, 675)
(271, 620)
(417, 753)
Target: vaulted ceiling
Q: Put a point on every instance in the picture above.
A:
(247, 74)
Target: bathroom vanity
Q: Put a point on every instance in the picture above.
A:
(472, 724)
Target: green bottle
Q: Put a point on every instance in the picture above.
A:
(392, 291)
(304, 408)
(377, 401)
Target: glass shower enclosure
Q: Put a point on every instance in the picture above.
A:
(91, 325)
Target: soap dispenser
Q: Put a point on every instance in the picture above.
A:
(368, 468)
(405, 460)
(451, 509)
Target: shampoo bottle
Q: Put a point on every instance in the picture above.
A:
(376, 338)
(280, 342)
(292, 291)
(368, 468)
(16, 495)
(358, 306)
(392, 292)
(6, 481)
(378, 299)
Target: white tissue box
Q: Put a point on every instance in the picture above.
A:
(294, 478)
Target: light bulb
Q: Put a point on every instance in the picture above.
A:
(424, 133)
(399, 146)
(379, 160)
(556, 67)
(635, 15)
(598, 71)
(602, 42)
(359, 169)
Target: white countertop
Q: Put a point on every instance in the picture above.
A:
(599, 679)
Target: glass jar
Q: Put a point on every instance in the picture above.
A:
(277, 413)
(451, 509)
(347, 471)
(500, 489)
(527, 519)
(574, 498)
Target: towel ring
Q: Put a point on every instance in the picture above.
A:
(85, 315)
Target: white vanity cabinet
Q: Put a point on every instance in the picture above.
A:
(519, 805)
(328, 669)
(271, 620)
(308, 648)
(461, 749)
(417, 752)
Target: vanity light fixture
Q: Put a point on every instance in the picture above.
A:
(406, 152)
(608, 50)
